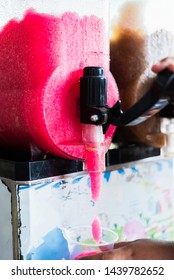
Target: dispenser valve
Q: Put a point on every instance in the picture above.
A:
(93, 100)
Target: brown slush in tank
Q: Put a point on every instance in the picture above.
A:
(133, 51)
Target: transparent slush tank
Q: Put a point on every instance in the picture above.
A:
(15, 9)
(44, 47)
(141, 35)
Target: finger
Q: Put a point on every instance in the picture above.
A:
(164, 63)
(115, 254)
(108, 255)
(92, 257)
(120, 244)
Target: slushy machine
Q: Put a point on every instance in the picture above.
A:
(79, 136)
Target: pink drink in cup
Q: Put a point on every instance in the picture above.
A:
(81, 241)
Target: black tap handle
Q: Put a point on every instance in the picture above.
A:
(160, 95)
(93, 96)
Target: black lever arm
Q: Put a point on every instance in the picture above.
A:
(160, 94)
(93, 100)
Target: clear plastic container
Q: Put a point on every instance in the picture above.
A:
(17, 8)
(81, 242)
(141, 35)
(45, 45)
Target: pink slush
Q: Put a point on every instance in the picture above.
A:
(41, 61)
(42, 58)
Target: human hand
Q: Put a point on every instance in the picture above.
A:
(141, 249)
(167, 62)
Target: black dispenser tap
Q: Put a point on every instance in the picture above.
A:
(93, 96)
(93, 100)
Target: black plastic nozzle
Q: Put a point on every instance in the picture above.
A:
(93, 95)
(93, 87)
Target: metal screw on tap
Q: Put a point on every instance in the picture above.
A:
(94, 118)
